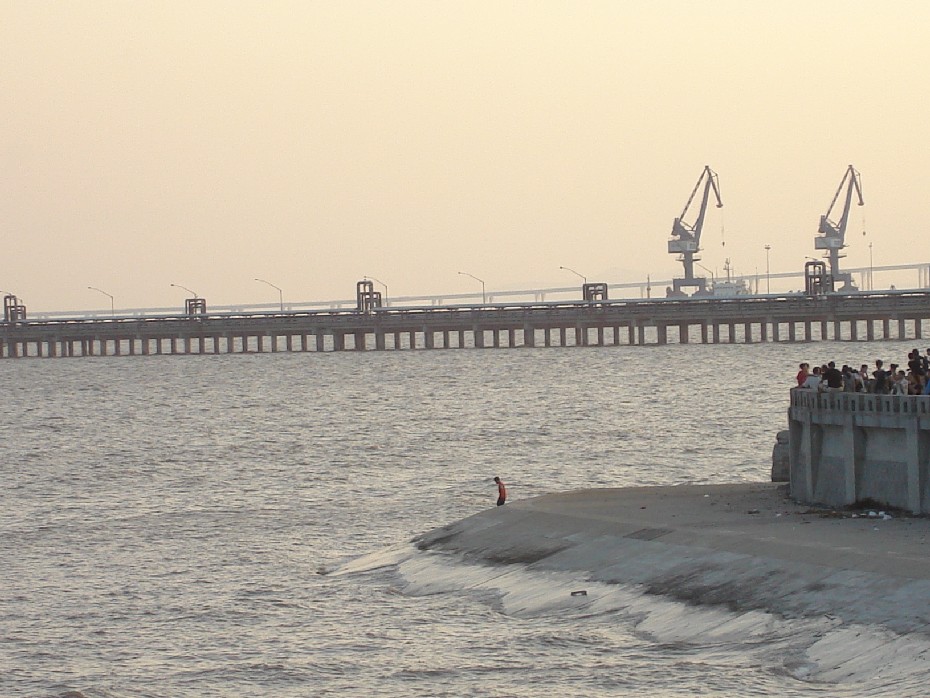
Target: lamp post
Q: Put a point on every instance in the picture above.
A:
(186, 289)
(713, 276)
(280, 292)
(99, 290)
(768, 285)
(379, 282)
(871, 286)
(484, 297)
(581, 276)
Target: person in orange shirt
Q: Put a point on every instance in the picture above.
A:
(501, 491)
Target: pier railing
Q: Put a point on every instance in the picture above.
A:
(856, 403)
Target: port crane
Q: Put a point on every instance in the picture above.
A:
(832, 236)
(686, 239)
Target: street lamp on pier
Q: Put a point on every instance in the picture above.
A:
(280, 292)
(581, 276)
(379, 282)
(99, 290)
(768, 285)
(484, 297)
(713, 276)
(186, 289)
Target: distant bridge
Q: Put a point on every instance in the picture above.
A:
(633, 289)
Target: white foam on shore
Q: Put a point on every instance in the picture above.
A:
(387, 557)
(821, 649)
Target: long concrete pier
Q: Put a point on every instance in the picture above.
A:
(745, 319)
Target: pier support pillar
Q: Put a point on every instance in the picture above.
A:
(824, 330)
(445, 339)
(902, 328)
(320, 341)
(478, 338)
(461, 339)
(511, 338)
(808, 329)
(640, 334)
(747, 333)
(547, 337)
(563, 336)
(339, 341)
(662, 332)
(683, 333)
(869, 330)
(886, 328)
(600, 336)
(715, 333)
(764, 331)
(792, 332)
(429, 341)
(704, 336)
(918, 329)
(916, 454)
(529, 336)
(854, 330)
(360, 341)
(837, 330)
(580, 337)
(379, 341)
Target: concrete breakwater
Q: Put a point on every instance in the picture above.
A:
(834, 597)
(746, 547)
(743, 319)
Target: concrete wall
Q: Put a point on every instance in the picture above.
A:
(851, 447)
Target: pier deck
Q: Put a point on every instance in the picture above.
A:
(791, 317)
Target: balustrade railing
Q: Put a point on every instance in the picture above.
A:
(840, 401)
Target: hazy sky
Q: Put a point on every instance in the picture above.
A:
(312, 143)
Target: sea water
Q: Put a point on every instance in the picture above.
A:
(188, 525)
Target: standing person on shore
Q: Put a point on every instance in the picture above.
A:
(864, 378)
(813, 380)
(803, 374)
(880, 377)
(501, 491)
(833, 376)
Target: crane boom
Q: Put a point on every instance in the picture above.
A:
(687, 237)
(832, 236)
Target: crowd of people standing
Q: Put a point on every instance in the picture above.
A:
(894, 380)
